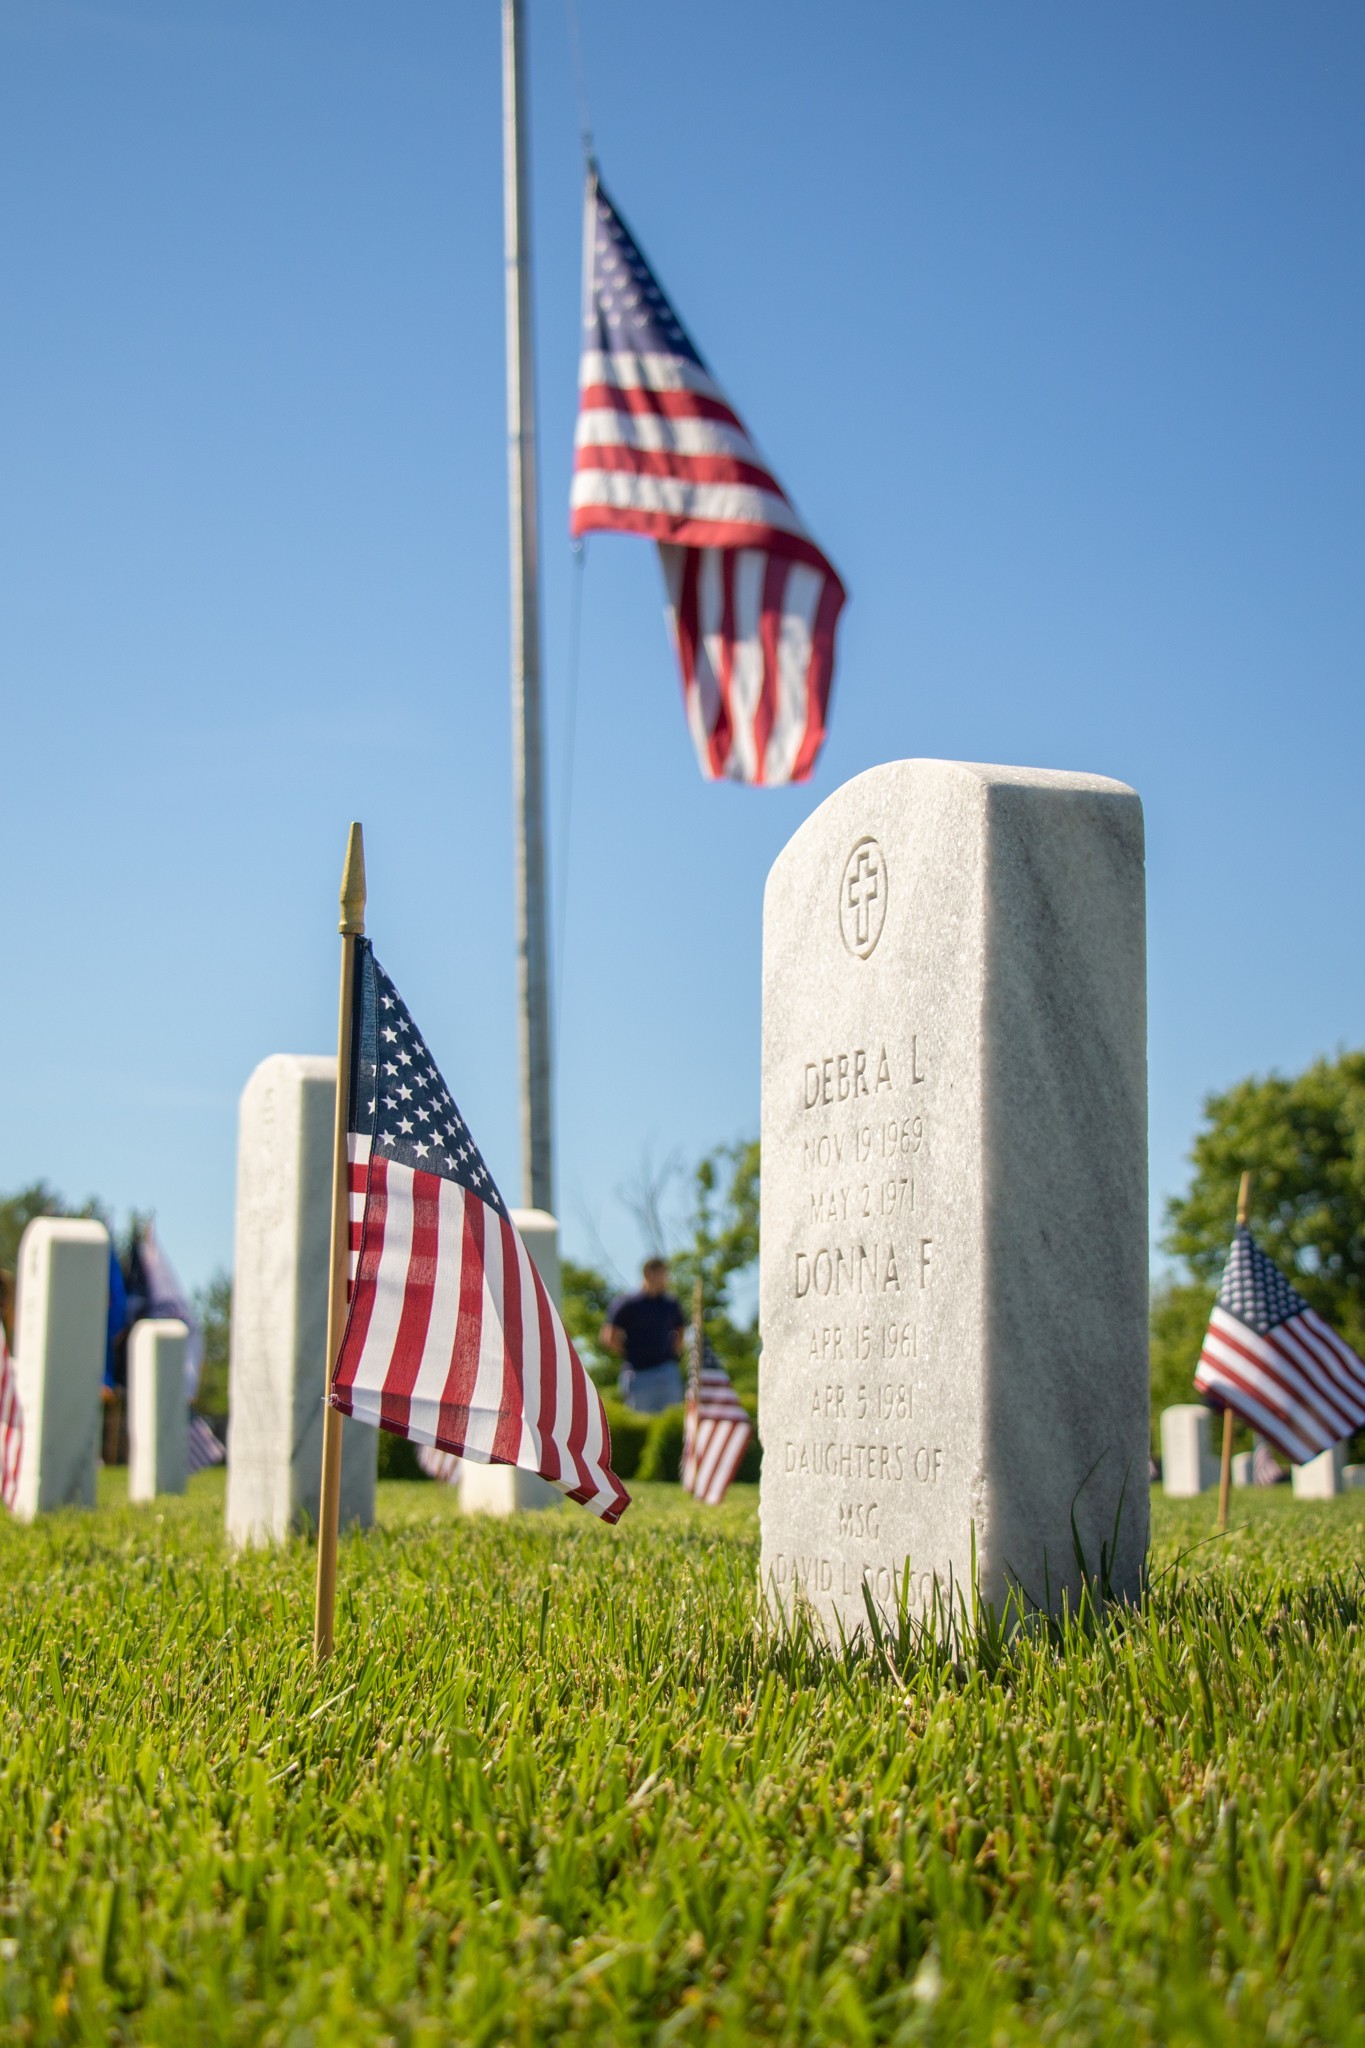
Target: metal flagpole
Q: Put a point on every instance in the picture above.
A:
(352, 927)
(528, 781)
(1225, 1471)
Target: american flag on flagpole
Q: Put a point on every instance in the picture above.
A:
(451, 1339)
(1274, 1362)
(716, 1430)
(659, 450)
(202, 1447)
(11, 1425)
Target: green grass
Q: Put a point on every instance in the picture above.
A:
(558, 1785)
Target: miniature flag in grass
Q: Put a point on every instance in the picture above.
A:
(451, 1339)
(1275, 1363)
(660, 451)
(11, 1425)
(716, 1431)
(202, 1447)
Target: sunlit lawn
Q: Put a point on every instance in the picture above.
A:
(558, 1784)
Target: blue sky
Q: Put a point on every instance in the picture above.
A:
(1051, 320)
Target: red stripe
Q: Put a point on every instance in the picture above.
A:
(1291, 1384)
(453, 1419)
(1262, 1412)
(1326, 1399)
(687, 532)
(511, 1400)
(419, 1286)
(616, 458)
(818, 676)
(722, 732)
(549, 1379)
(1345, 1371)
(1290, 1393)
(689, 628)
(367, 1275)
(775, 574)
(667, 405)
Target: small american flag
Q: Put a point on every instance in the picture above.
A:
(202, 1447)
(1274, 1362)
(451, 1339)
(11, 1425)
(716, 1430)
(659, 450)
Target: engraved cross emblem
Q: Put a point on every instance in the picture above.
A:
(862, 898)
(863, 891)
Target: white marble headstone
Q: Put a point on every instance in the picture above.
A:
(277, 1367)
(501, 1489)
(61, 1335)
(1320, 1478)
(954, 1200)
(158, 1420)
(1188, 1465)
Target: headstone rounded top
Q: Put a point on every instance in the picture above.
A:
(67, 1229)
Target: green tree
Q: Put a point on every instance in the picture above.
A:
(17, 1211)
(722, 1249)
(586, 1297)
(213, 1306)
(1304, 1140)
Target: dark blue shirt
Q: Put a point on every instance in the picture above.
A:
(648, 1321)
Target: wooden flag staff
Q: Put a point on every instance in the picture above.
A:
(1225, 1475)
(352, 927)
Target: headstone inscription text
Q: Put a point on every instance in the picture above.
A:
(953, 1265)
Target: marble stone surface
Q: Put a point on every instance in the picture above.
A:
(158, 1422)
(277, 1367)
(501, 1489)
(954, 1207)
(1188, 1464)
(1321, 1477)
(60, 1336)
(1242, 1462)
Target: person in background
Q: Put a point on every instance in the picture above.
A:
(645, 1331)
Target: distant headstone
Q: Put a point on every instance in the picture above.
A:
(277, 1367)
(60, 1337)
(1321, 1477)
(954, 1203)
(158, 1425)
(1352, 1476)
(1188, 1466)
(501, 1489)
(1243, 1473)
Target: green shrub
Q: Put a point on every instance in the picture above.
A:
(662, 1458)
(628, 1433)
(397, 1457)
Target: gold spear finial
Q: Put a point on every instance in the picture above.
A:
(353, 886)
(1244, 1198)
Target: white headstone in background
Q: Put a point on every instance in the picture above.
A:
(277, 1367)
(1321, 1477)
(501, 1489)
(157, 1418)
(61, 1334)
(1352, 1476)
(1188, 1466)
(954, 1203)
(1243, 1463)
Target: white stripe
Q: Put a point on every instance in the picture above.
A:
(647, 371)
(1254, 1413)
(1315, 1376)
(529, 1455)
(1341, 1367)
(434, 1369)
(746, 651)
(1221, 1354)
(800, 602)
(657, 434)
(485, 1401)
(390, 1286)
(725, 504)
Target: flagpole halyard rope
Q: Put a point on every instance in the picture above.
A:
(352, 928)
